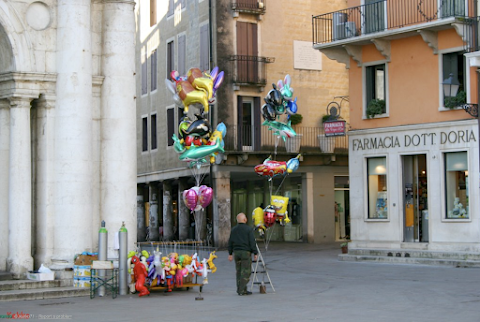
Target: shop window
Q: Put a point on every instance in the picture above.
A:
(375, 87)
(456, 185)
(377, 188)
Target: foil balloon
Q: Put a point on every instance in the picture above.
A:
(280, 204)
(258, 221)
(190, 198)
(269, 216)
(292, 107)
(268, 112)
(205, 196)
(197, 153)
(293, 164)
(270, 168)
(285, 89)
(189, 95)
(201, 82)
(281, 129)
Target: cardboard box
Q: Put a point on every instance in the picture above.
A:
(85, 259)
(36, 276)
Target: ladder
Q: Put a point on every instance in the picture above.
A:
(263, 271)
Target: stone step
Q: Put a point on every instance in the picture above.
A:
(28, 284)
(44, 293)
(4, 276)
(410, 260)
(416, 253)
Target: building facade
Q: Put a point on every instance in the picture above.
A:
(255, 43)
(413, 149)
(67, 129)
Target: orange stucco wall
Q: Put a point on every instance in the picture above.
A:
(413, 83)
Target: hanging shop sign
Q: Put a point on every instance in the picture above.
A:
(334, 128)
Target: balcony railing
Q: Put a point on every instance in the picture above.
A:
(250, 70)
(382, 15)
(242, 139)
(249, 6)
(471, 33)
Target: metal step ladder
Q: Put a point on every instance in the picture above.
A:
(263, 271)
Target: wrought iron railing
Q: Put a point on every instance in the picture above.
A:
(471, 33)
(250, 6)
(310, 139)
(250, 70)
(380, 16)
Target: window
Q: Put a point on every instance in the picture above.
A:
(144, 134)
(375, 87)
(170, 125)
(454, 63)
(451, 8)
(204, 48)
(181, 55)
(153, 12)
(144, 74)
(456, 185)
(153, 72)
(377, 188)
(170, 58)
(247, 51)
(153, 128)
(374, 16)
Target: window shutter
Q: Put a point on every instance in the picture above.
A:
(239, 122)
(181, 55)
(257, 124)
(144, 75)
(153, 72)
(170, 125)
(204, 48)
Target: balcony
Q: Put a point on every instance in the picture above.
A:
(256, 7)
(243, 139)
(249, 70)
(389, 19)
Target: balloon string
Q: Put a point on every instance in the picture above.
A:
(281, 183)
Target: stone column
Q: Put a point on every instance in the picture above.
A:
(141, 227)
(44, 183)
(153, 225)
(168, 232)
(20, 190)
(4, 174)
(73, 133)
(183, 212)
(221, 208)
(307, 207)
(118, 129)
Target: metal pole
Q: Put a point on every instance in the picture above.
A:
(122, 259)
(102, 253)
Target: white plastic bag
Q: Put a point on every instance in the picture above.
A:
(44, 269)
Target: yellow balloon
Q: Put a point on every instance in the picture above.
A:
(200, 81)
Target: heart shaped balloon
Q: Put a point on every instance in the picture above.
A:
(205, 196)
(190, 198)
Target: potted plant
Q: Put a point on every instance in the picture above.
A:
(452, 102)
(344, 247)
(293, 144)
(375, 107)
(326, 143)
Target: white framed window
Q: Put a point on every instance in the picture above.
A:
(375, 89)
(453, 62)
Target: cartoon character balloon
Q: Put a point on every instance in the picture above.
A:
(280, 204)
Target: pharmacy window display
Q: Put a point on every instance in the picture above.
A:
(377, 188)
(456, 185)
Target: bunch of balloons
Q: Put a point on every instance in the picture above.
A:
(196, 88)
(197, 141)
(198, 198)
(275, 212)
(280, 101)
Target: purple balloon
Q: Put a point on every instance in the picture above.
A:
(205, 196)
(190, 198)
(218, 80)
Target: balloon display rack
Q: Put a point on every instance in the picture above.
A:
(263, 270)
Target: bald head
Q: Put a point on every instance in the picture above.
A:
(241, 218)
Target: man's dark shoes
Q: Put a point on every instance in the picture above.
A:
(245, 293)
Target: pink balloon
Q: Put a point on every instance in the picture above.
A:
(205, 196)
(190, 198)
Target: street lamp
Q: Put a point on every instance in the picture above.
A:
(450, 86)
